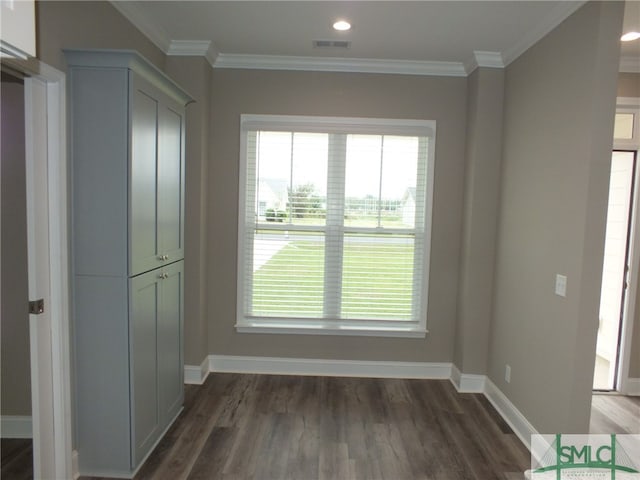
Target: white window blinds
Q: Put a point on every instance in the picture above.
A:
(334, 222)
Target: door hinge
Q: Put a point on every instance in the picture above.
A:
(36, 307)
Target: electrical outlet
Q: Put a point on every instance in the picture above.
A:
(561, 285)
(507, 373)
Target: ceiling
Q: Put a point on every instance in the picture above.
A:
(409, 33)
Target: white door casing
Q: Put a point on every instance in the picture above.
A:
(47, 211)
(630, 105)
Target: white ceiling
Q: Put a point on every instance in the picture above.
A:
(411, 32)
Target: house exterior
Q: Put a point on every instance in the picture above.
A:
(408, 207)
(272, 195)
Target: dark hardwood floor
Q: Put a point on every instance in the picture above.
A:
(305, 428)
(613, 413)
(17, 459)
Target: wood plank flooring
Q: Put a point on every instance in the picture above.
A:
(306, 428)
(613, 413)
(17, 459)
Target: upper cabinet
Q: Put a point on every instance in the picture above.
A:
(128, 151)
(18, 30)
(157, 139)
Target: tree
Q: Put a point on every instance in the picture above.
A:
(303, 202)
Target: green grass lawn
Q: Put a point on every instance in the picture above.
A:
(377, 281)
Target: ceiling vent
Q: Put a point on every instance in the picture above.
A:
(331, 44)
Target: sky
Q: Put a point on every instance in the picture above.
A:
(363, 170)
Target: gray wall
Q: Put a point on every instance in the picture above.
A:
(629, 85)
(14, 320)
(340, 94)
(481, 204)
(194, 75)
(559, 105)
(87, 25)
(99, 25)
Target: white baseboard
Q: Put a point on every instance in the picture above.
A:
(467, 382)
(334, 368)
(508, 411)
(75, 468)
(196, 375)
(470, 383)
(632, 386)
(15, 426)
(464, 382)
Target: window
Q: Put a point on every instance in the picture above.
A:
(334, 225)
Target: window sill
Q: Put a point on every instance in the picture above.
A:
(394, 331)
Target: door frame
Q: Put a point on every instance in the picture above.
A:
(623, 383)
(51, 390)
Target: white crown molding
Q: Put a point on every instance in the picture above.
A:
(194, 48)
(189, 48)
(488, 59)
(152, 31)
(484, 59)
(630, 64)
(559, 13)
(330, 64)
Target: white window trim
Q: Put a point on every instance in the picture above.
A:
(352, 125)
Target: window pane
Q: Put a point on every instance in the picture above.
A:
(362, 180)
(377, 277)
(288, 274)
(274, 175)
(399, 173)
(308, 192)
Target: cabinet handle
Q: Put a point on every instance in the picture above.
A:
(163, 276)
(163, 257)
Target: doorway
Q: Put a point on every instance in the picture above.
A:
(44, 184)
(615, 270)
(14, 320)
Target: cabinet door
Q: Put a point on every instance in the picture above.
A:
(145, 414)
(144, 244)
(171, 181)
(170, 339)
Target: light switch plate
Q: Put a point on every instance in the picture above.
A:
(561, 285)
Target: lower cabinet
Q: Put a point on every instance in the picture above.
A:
(128, 367)
(156, 355)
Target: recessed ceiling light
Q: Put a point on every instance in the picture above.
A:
(342, 26)
(627, 37)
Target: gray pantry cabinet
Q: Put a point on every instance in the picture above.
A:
(127, 133)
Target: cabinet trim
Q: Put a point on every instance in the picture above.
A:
(107, 58)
